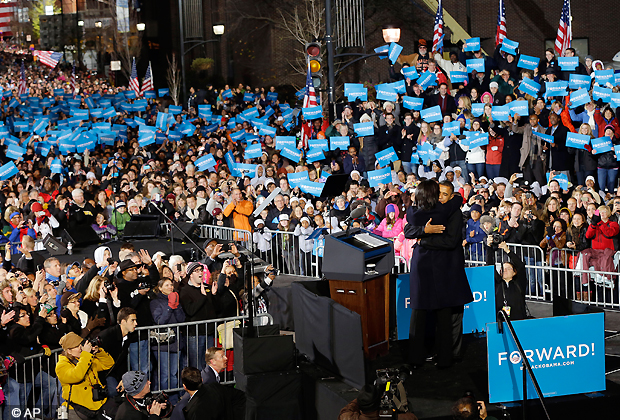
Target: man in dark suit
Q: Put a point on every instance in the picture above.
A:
(216, 359)
(444, 100)
(211, 401)
(559, 160)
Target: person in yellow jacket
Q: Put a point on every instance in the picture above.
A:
(78, 370)
(240, 210)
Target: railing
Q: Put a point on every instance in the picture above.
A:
(503, 317)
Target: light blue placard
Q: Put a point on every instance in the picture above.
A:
(427, 79)
(603, 77)
(205, 162)
(312, 112)
(477, 109)
(386, 156)
(459, 76)
(355, 90)
(519, 107)
(313, 188)
(509, 46)
(480, 139)
(341, 142)
(579, 97)
(568, 63)
(567, 354)
(382, 51)
(281, 141)
(500, 112)
(546, 137)
(318, 144)
(617, 152)
(394, 51)
(472, 44)
(364, 129)
(601, 93)
(385, 93)
(556, 88)
(413, 103)
(399, 86)
(452, 127)
(314, 155)
(379, 176)
(476, 64)
(529, 87)
(295, 178)
(267, 130)
(528, 62)
(410, 72)
(431, 114)
(292, 154)
(615, 99)
(577, 141)
(601, 145)
(8, 170)
(253, 151)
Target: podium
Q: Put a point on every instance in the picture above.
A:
(358, 266)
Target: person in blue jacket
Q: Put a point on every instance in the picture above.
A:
(474, 234)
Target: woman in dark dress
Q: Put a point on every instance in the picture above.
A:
(438, 280)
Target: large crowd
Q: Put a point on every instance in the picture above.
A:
(94, 155)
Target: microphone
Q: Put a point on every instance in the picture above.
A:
(357, 213)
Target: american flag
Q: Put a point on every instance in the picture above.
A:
(501, 24)
(134, 84)
(309, 100)
(565, 33)
(22, 81)
(147, 82)
(438, 31)
(73, 82)
(49, 58)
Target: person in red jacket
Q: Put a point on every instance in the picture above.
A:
(495, 149)
(606, 117)
(602, 232)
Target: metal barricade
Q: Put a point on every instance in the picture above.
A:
(31, 388)
(164, 350)
(401, 265)
(226, 234)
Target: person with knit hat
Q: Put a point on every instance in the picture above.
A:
(120, 217)
(44, 221)
(78, 370)
(134, 407)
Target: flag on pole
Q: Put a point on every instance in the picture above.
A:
(49, 58)
(134, 84)
(309, 100)
(501, 24)
(147, 82)
(73, 82)
(438, 31)
(22, 81)
(565, 33)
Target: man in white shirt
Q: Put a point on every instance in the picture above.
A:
(216, 359)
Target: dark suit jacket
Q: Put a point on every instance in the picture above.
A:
(208, 376)
(561, 160)
(216, 402)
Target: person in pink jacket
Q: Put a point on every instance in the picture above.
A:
(391, 226)
(403, 246)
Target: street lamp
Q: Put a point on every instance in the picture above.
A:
(80, 23)
(98, 24)
(391, 33)
(218, 29)
(140, 26)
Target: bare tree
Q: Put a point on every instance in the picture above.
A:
(173, 77)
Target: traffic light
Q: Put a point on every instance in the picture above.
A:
(313, 58)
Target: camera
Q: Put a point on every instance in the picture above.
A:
(109, 285)
(95, 341)
(528, 195)
(144, 285)
(394, 397)
(161, 398)
(529, 216)
(497, 238)
(100, 392)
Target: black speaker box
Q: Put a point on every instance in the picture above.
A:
(83, 236)
(54, 246)
(271, 396)
(141, 229)
(272, 353)
(187, 227)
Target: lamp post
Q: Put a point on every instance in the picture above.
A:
(140, 27)
(99, 25)
(80, 28)
(218, 30)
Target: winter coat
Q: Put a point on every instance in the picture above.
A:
(163, 314)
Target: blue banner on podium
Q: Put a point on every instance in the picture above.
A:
(476, 314)
(567, 355)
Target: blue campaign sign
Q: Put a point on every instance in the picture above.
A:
(380, 176)
(355, 90)
(313, 188)
(291, 154)
(452, 127)
(144, 139)
(617, 152)
(162, 121)
(603, 77)
(410, 72)
(427, 79)
(248, 97)
(500, 112)
(476, 314)
(413, 103)
(458, 76)
(476, 64)
(267, 130)
(546, 137)
(250, 112)
(282, 141)
(477, 110)
(339, 142)
(472, 44)
(8, 170)
(386, 156)
(314, 155)
(175, 109)
(568, 63)
(382, 51)
(556, 88)
(318, 144)
(509, 46)
(577, 141)
(253, 151)
(56, 166)
(566, 353)
(385, 92)
(364, 129)
(479, 139)
(272, 96)
(227, 94)
(615, 100)
(14, 151)
(237, 135)
(204, 111)
(601, 145)
(520, 107)
(394, 51)
(431, 114)
(604, 94)
(296, 178)
(312, 112)
(205, 162)
(529, 87)
(399, 86)
(579, 97)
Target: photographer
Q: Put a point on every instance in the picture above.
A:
(467, 408)
(101, 300)
(138, 404)
(510, 283)
(78, 370)
(366, 406)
